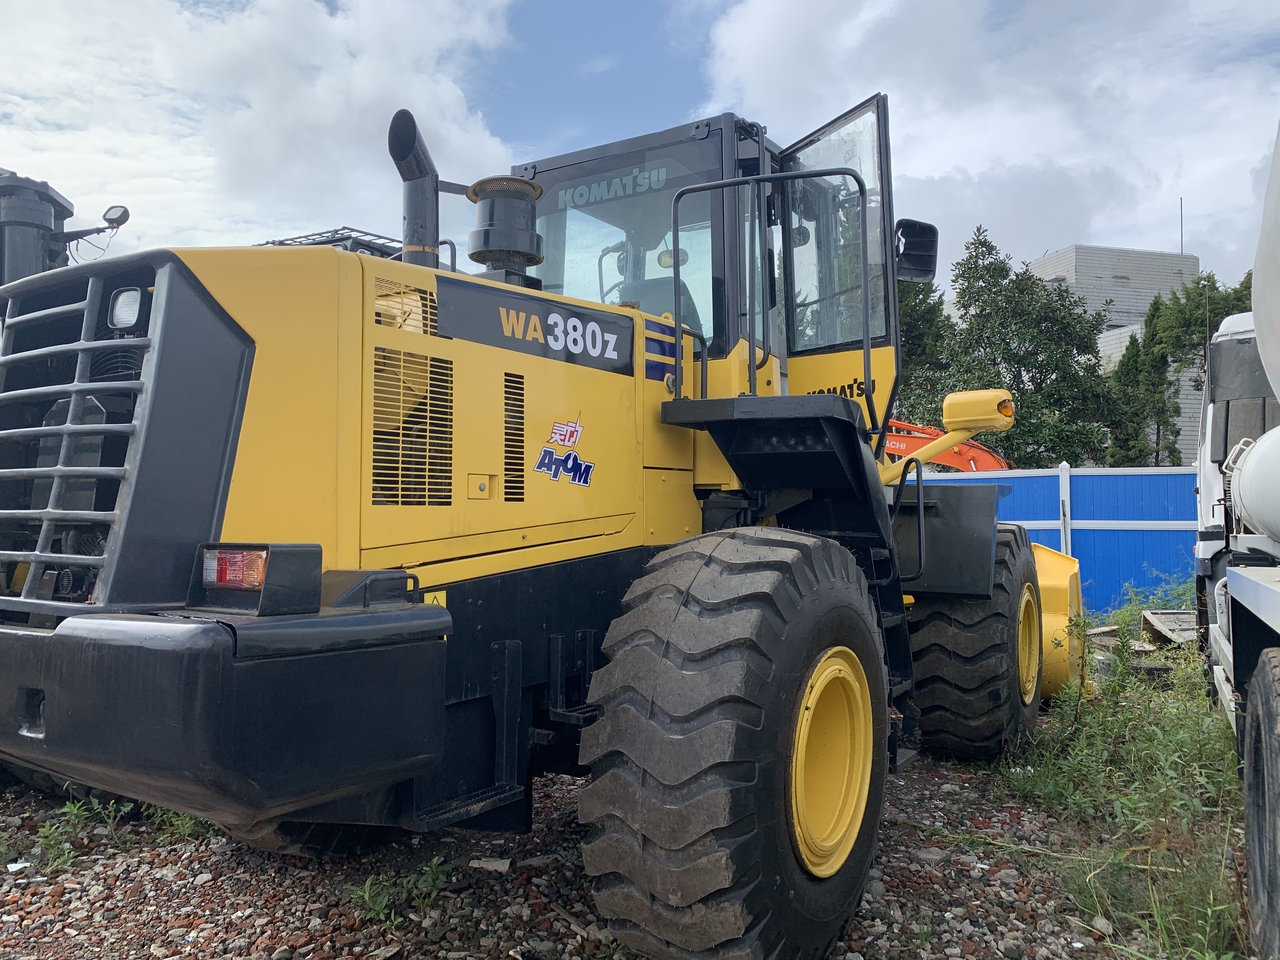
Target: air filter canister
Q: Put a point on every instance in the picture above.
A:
(505, 237)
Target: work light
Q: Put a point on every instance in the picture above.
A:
(126, 304)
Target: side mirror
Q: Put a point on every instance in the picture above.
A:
(915, 246)
(666, 259)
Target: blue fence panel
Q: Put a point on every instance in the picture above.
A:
(1110, 560)
(1032, 497)
(1133, 496)
(1128, 527)
(1049, 538)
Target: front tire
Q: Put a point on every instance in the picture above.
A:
(1262, 803)
(978, 662)
(739, 760)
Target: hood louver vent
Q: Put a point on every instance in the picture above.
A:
(513, 438)
(404, 308)
(412, 429)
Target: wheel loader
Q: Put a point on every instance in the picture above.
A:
(299, 539)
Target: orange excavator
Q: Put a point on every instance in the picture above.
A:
(970, 456)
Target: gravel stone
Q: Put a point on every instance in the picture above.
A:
(957, 874)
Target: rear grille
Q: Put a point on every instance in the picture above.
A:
(513, 438)
(69, 387)
(404, 307)
(412, 429)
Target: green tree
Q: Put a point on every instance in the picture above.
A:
(1037, 340)
(1130, 444)
(1175, 333)
(1190, 316)
(923, 323)
(1159, 388)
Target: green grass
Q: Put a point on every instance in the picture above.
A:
(56, 838)
(59, 834)
(390, 900)
(175, 827)
(1147, 778)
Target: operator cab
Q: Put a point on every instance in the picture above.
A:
(605, 217)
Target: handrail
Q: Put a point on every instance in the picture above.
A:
(702, 356)
(897, 503)
(612, 248)
(760, 203)
(783, 177)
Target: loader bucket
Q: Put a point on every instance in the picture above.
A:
(1062, 648)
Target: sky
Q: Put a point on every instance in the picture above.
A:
(237, 121)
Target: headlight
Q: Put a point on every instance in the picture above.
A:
(125, 306)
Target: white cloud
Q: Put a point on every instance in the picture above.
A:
(237, 122)
(1049, 123)
(598, 65)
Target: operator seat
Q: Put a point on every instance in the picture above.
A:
(657, 296)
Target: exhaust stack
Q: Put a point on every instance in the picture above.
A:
(421, 228)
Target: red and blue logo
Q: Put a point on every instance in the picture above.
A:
(567, 464)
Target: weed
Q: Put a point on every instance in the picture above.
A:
(1149, 775)
(57, 835)
(924, 931)
(422, 888)
(79, 815)
(174, 826)
(384, 901)
(110, 814)
(376, 900)
(55, 838)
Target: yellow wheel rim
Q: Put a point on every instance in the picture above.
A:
(1028, 643)
(831, 762)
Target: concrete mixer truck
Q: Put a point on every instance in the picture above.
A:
(1238, 558)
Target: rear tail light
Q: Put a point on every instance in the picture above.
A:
(234, 569)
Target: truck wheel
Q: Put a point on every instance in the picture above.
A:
(978, 663)
(738, 765)
(1262, 803)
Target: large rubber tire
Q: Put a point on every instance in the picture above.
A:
(967, 666)
(1262, 803)
(692, 838)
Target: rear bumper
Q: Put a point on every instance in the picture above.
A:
(216, 718)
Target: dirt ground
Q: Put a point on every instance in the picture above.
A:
(959, 874)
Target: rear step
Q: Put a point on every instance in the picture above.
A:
(467, 806)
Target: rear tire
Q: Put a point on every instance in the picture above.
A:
(1262, 803)
(694, 842)
(977, 691)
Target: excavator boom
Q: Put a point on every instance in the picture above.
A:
(970, 456)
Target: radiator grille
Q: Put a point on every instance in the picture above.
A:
(412, 429)
(513, 438)
(69, 386)
(403, 307)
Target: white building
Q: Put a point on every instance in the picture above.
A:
(1129, 279)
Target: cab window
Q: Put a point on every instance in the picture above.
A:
(822, 238)
(606, 231)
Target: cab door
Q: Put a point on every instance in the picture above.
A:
(822, 253)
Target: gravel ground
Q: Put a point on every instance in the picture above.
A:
(959, 874)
